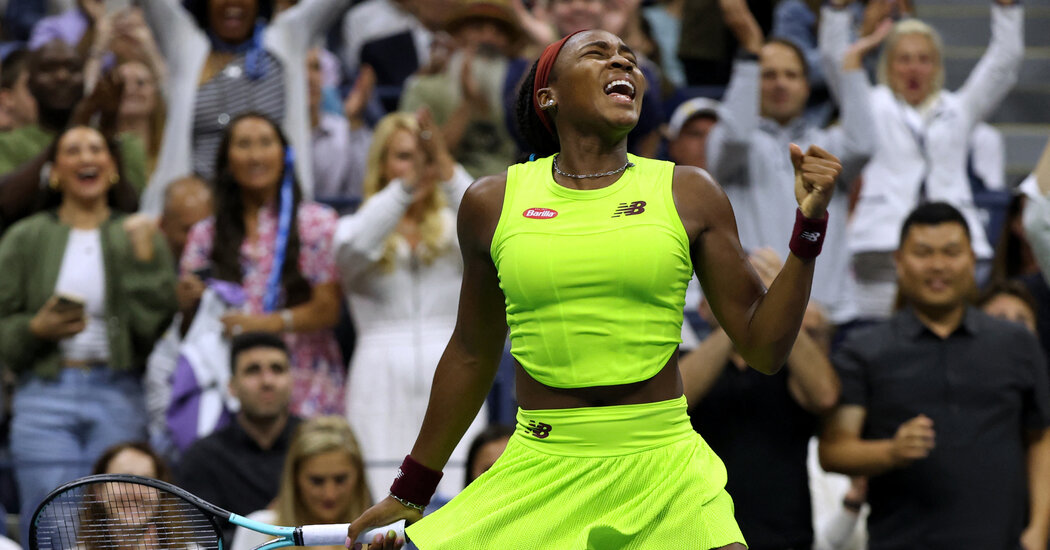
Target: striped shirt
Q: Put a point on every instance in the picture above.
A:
(226, 95)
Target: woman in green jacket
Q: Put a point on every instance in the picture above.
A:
(85, 291)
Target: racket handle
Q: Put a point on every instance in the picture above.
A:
(335, 534)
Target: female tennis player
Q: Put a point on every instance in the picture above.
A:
(584, 255)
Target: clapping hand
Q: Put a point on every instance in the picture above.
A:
(535, 22)
(854, 56)
(473, 95)
(357, 100)
(104, 101)
(437, 158)
(815, 173)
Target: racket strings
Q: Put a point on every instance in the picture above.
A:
(118, 515)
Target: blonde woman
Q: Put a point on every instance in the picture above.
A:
(400, 264)
(323, 481)
(923, 134)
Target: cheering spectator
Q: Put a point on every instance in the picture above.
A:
(227, 57)
(397, 56)
(120, 37)
(340, 145)
(288, 274)
(56, 80)
(373, 19)
(17, 104)
(764, 110)
(922, 132)
(142, 111)
(323, 481)
(466, 98)
(85, 292)
(945, 408)
(401, 269)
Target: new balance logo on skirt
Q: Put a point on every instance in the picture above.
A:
(811, 236)
(539, 429)
(636, 207)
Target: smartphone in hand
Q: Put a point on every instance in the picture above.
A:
(68, 302)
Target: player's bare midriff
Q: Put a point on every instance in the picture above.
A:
(664, 385)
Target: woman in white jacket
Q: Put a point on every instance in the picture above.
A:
(923, 133)
(226, 57)
(400, 264)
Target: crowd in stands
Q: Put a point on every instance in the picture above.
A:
(229, 254)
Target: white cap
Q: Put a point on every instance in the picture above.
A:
(689, 109)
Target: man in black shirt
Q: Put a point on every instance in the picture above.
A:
(760, 425)
(946, 408)
(239, 467)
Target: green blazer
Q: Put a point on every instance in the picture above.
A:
(140, 296)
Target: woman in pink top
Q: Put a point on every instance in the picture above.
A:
(239, 244)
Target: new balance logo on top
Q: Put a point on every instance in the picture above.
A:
(811, 236)
(636, 207)
(539, 429)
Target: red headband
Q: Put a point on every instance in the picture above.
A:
(543, 71)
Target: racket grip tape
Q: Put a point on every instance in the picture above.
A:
(335, 534)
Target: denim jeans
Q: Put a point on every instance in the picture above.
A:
(60, 427)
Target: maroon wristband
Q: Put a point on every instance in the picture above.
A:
(415, 482)
(808, 236)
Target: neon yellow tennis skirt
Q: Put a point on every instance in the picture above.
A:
(602, 478)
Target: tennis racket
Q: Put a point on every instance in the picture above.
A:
(126, 512)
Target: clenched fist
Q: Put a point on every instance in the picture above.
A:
(815, 173)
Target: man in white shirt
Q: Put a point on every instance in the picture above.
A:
(762, 112)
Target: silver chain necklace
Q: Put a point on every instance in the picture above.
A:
(627, 165)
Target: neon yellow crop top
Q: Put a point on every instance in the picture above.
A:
(594, 279)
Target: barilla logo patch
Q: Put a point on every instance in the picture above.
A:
(540, 213)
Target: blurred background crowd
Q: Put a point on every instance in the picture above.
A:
(229, 253)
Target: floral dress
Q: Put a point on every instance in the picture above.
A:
(318, 371)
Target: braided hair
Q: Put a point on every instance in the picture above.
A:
(539, 140)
